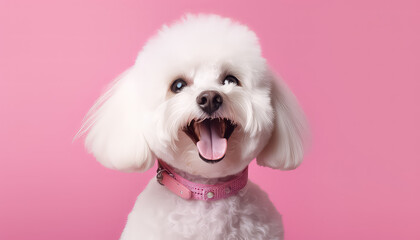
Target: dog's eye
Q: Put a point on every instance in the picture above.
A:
(230, 79)
(178, 85)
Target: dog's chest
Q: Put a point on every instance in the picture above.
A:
(159, 214)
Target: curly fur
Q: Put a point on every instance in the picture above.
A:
(248, 215)
(139, 119)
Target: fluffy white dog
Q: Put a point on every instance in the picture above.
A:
(201, 99)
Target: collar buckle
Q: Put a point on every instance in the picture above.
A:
(159, 174)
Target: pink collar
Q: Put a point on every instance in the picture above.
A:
(167, 177)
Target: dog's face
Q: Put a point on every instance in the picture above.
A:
(200, 97)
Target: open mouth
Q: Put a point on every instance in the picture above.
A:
(210, 136)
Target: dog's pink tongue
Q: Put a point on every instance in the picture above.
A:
(211, 146)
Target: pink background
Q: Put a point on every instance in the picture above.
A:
(354, 65)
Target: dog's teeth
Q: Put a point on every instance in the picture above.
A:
(196, 129)
(222, 126)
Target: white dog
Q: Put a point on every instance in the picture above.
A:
(201, 99)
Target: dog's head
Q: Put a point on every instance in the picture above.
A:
(201, 97)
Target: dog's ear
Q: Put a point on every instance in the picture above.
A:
(115, 127)
(285, 147)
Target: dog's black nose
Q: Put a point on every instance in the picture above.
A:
(209, 101)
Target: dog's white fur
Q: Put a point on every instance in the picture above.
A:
(139, 119)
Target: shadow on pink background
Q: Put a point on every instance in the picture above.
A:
(354, 66)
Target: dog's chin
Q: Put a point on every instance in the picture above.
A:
(211, 161)
(210, 135)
